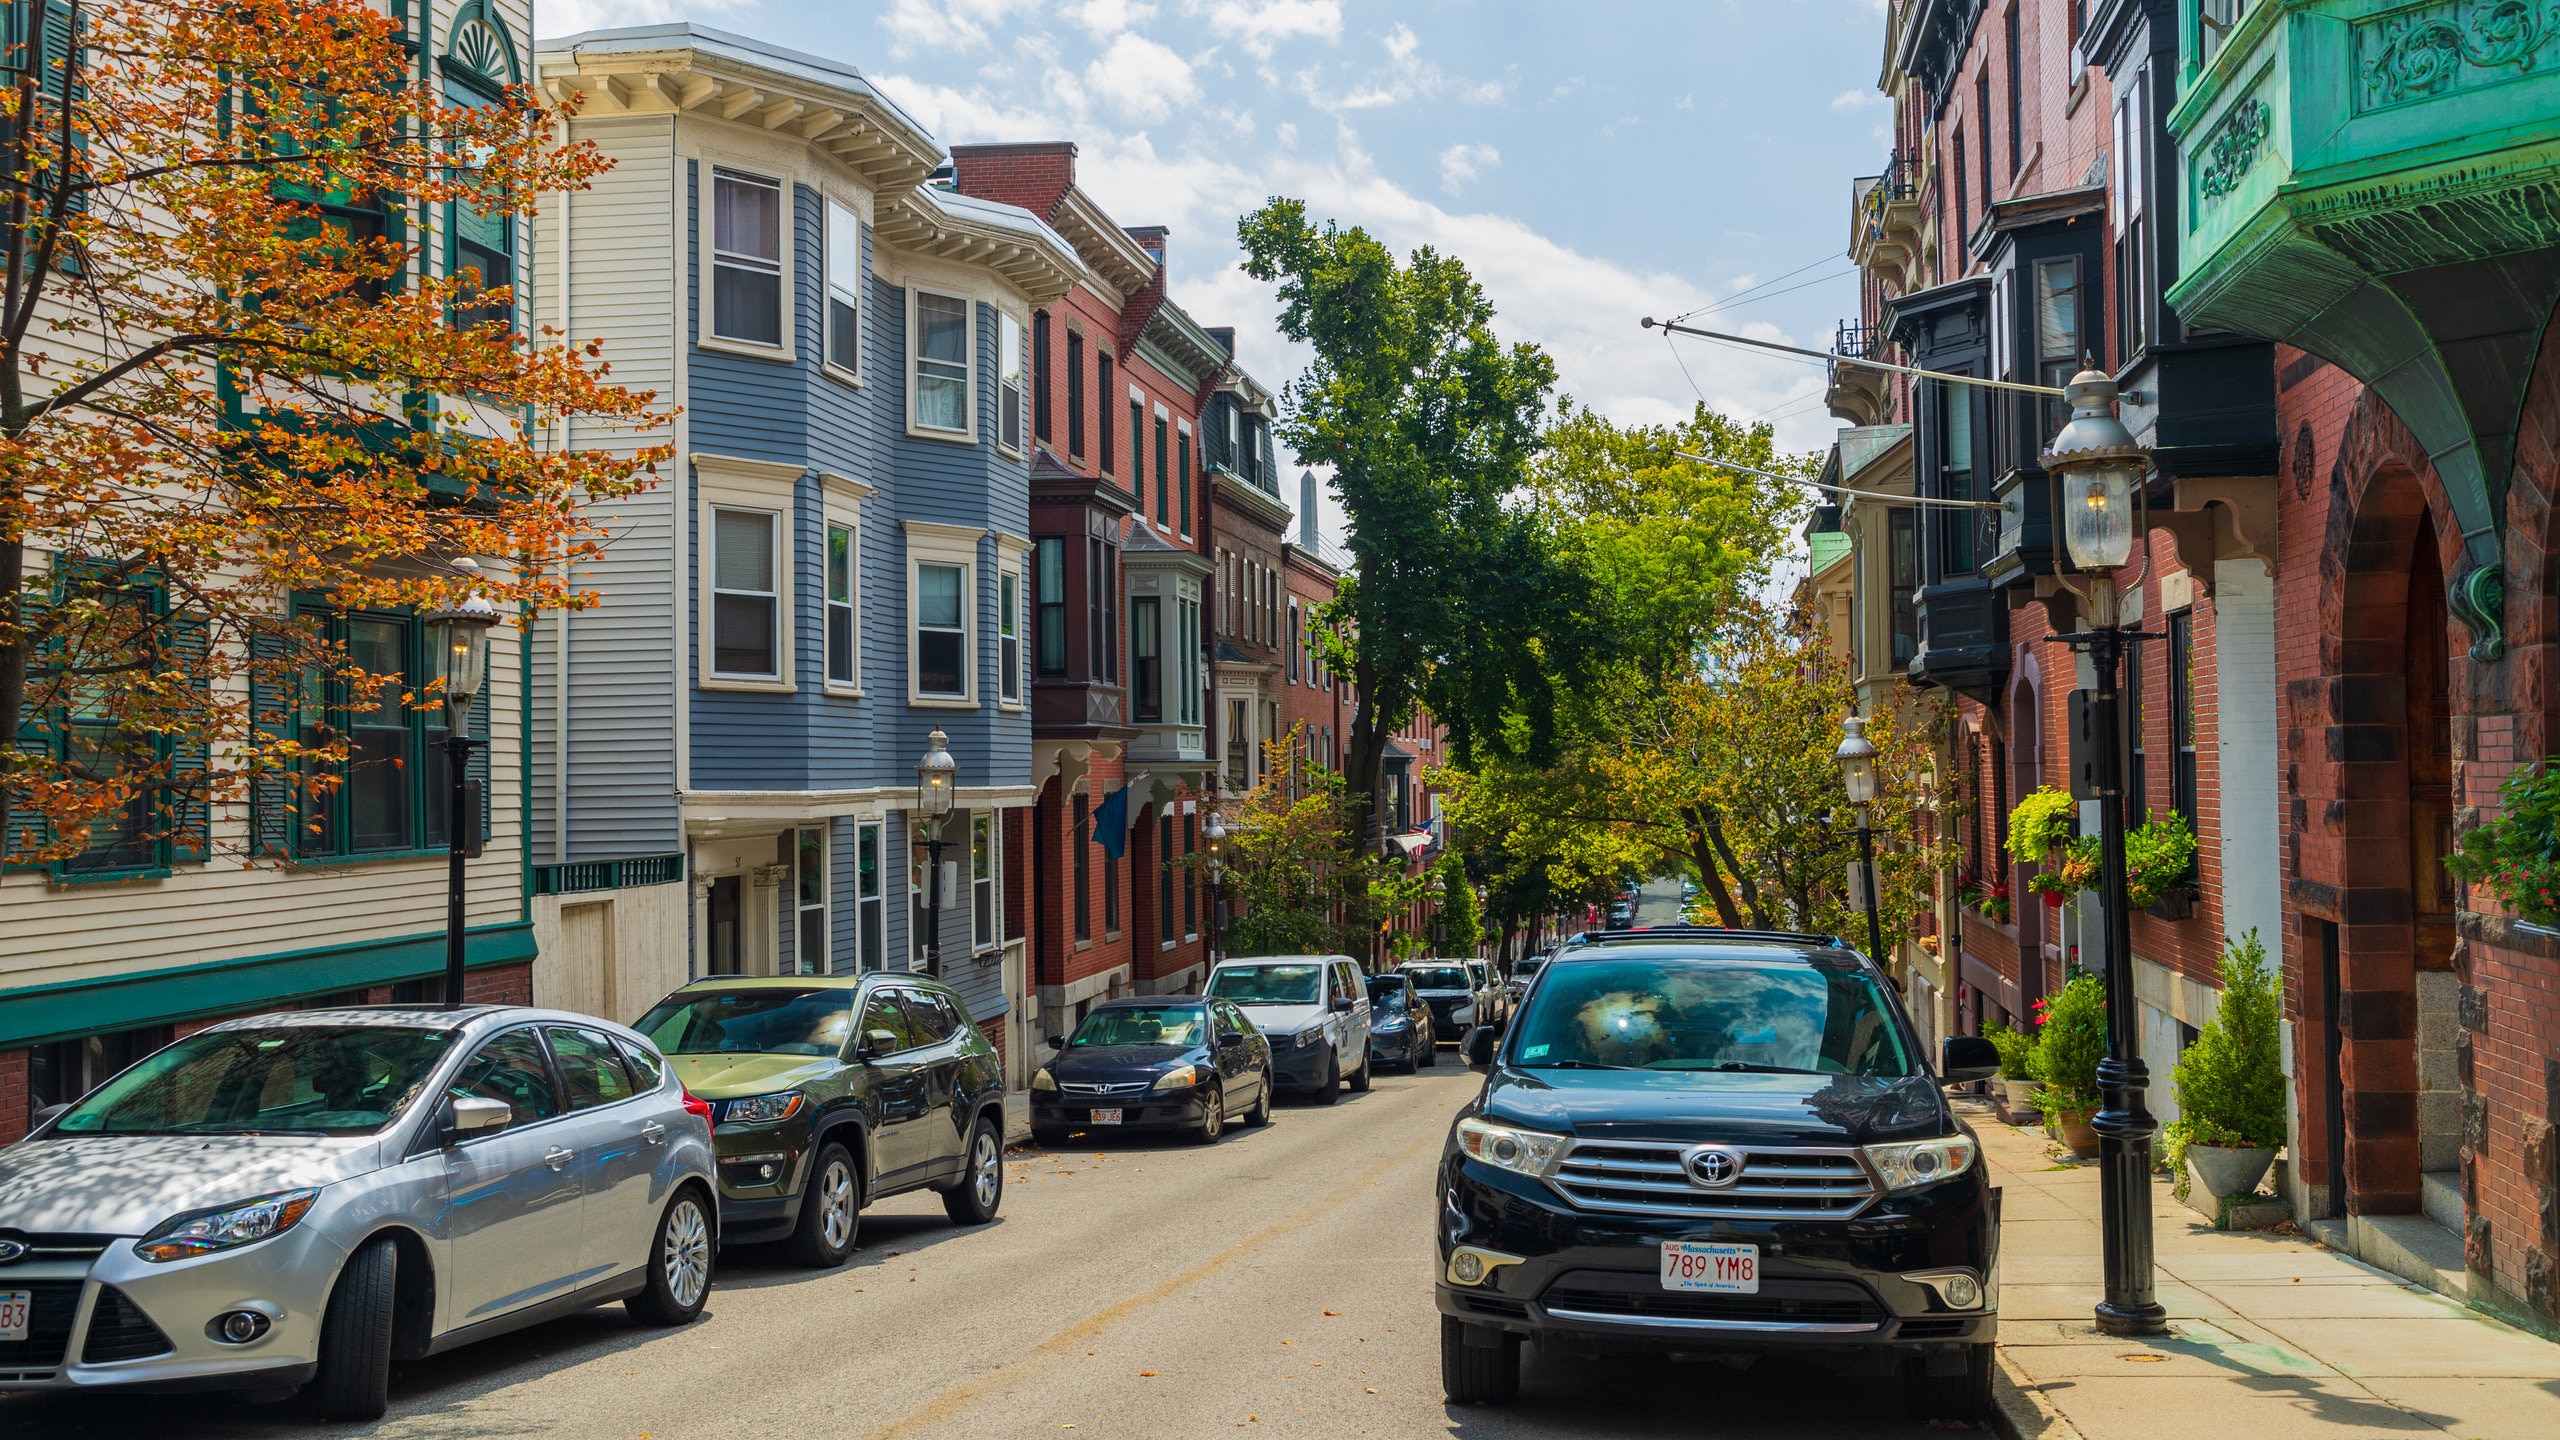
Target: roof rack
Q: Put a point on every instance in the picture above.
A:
(1705, 932)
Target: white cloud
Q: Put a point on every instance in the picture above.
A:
(961, 25)
(1406, 76)
(575, 17)
(1259, 28)
(1141, 79)
(1462, 163)
(1104, 18)
(1400, 43)
(1858, 99)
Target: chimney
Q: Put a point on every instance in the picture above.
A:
(1308, 539)
(1150, 238)
(1035, 175)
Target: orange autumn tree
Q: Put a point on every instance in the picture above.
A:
(237, 374)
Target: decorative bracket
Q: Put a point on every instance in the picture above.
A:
(2478, 598)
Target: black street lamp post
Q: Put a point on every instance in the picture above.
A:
(937, 783)
(1857, 757)
(1214, 831)
(2099, 471)
(461, 637)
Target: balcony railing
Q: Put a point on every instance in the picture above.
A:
(1856, 340)
(583, 875)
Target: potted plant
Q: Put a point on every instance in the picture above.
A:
(2070, 1041)
(2017, 1050)
(2230, 1080)
(2041, 833)
(2157, 856)
(2516, 857)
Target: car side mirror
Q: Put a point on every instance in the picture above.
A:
(1341, 1004)
(1966, 1058)
(468, 1115)
(1478, 1047)
(875, 1043)
(45, 1116)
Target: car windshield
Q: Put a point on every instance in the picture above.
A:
(1527, 968)
(1440, 977)
(751, 1022)
(306, 1079)
(1386, 989)
(1268, 984)
(1151, 1025)
(1695, 1014)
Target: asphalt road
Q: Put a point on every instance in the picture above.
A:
(1278, 1282)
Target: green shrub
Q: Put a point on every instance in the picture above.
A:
(2016, 1048)
(2042, 823)
(2070, 1043)
(2516, 857)
(2230, 1082)
(2157, 856)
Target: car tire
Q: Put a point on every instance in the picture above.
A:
(830, 1211)
(1360, 1077)
(354, 1380)
(679, 1264)
(1331, 1089)
(1213, 1118)
(1260, 1114)
(1963, 1398)
(981, 1189)
(1472, 1375)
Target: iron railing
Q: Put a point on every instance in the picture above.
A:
(582, 875)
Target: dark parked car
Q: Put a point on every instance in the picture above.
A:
(1399, 1024)
(830, 1092)
(1155, 1063)
(1692, 1142)
(1450, 989)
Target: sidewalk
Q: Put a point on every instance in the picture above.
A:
(2271, 1337)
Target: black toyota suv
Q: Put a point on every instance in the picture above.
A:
(1696, 1142)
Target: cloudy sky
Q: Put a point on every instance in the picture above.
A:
(1591, 162)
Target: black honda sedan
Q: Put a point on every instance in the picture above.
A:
(1155, 1063)
(1691, 1141)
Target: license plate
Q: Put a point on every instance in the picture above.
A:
(14, 1305)
(1103, 1117)
(1726, 1269)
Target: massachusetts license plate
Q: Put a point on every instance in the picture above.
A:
(1695, 1265)
(1103, 1117)
(14, 1305)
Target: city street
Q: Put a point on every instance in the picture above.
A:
(1278, 1281)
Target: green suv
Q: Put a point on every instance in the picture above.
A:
(830, 1092)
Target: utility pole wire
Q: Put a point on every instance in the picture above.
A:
(1843, 489)
(1827, 357)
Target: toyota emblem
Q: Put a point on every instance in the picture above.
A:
(12, 1251)
(1714, 1167)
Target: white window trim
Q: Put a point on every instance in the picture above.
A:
(1022, 335)
(741, 484)
(994, 881)
(929, 543)
(969, 434)
(706, 259)
(880, 848)
(841, 498)
(829, 209)
(1177, 484)
(1013, 557)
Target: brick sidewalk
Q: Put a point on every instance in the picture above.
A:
(2272, 1336)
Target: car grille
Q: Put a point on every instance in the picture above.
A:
(1645, 1177)
(118, 1330)
(1118, 1087)
(59, 1245)
(50, 1308)
(1935, 1329)
(1842, 1306)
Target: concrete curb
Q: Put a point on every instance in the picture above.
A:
(2019, 1410)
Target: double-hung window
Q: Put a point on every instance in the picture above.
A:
(1182, 477)
(843, 656)
(1138, 459)
(2182, 714)
(810, 953)
(1102, 411)
(870, 896)
(1049, 614)
(1082, 845)
(1163, 473)
(941, 350)
(942, 633)
(1164, 880)
(1009, 636)
(1297, 646)
(1190, 877)
(391, 794)
(1186, 641)
(1009, 383)
(746, 258)
(844, 290)
(1102, 564)
(1040, 375)
(746, 600)
(1075, 393)
(982, 878)
(1146, 660)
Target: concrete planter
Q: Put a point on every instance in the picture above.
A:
(2021, 1093)
(2228, 1170)
(2075, 1132)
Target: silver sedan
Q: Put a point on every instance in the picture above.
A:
(300, 1199)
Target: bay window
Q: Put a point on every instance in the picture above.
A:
(941, 366)
(1009, 635)
(1009, 383)
(942, 635)
(1145, 661)
(746, 601)
(1049, 620)
(844, 290)
(1186, 641)
(746, 257)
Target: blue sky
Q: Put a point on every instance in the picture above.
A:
(1592, 163)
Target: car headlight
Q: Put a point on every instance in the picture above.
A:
(1387, 1022)
(1043, 1080)
(762, 1109)
(1921, 1162)
(1529, 1152)
(1308, 1036)
(1180, 1077)
(206, 1231)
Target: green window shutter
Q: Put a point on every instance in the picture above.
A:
(476, 771)
(190, 814)
(22, 830)
(55, 43)
(273, 818)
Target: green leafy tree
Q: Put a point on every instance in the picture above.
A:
(2230, 1081)
(1296, 878)
(2071, 1040)
(1457, 599)
(1461, 919)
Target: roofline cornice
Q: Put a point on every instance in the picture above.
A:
(1106, 249)
(1041, 265)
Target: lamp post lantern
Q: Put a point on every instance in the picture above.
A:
(2098, 468)
(1214, 831)
(1857, 757)
(937, 784)
(460, 634)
